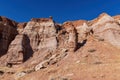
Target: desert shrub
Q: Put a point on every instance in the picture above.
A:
(64, 78)
(101, 39)
(98, 63)
(91, 50)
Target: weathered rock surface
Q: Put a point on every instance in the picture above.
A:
(7, 34)
(42, 34)
(68, 51)
(107, 28)
(20, 27)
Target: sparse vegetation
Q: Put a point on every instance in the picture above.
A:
(91, 50)
(64, 78)
(98, 63)
(101, 39)
(60, 78)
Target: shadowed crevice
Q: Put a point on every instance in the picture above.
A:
(28, 49)
(6, 39)
(79, 45)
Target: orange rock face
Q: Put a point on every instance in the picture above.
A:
(42, 49)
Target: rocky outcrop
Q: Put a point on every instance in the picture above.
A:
(72, 36)
(42, 34)
(7, 21)
(20, 27)
(83, 30)
(51, 59)
(7, 33)
(19, 50)
(76, 33)
(106, 28)
(16, 50)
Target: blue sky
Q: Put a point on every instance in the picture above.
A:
(61, 10)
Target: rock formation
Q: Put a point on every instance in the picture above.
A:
(42, 34)
(7, 33)
(74, 50)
